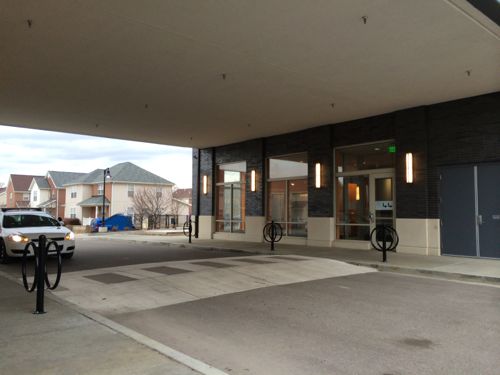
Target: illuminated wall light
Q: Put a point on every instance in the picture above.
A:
(318, 175)
(205, 184)
(409, 168)
(252, 180)
(357, 192)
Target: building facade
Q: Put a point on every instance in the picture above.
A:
(431, 172)
(3, 197)
(49, 192)
(84, 195)
(17, 192)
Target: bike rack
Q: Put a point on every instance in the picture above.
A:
(384, 238)
(41, 277)
(272, 232)
(187, 229)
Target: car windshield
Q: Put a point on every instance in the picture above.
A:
(25, 220)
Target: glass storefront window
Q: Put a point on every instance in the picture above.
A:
(287, 196)
(364, 157)
(230, 187)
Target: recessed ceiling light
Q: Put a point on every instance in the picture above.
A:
(377, 148)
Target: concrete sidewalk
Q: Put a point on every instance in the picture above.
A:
(467, 269)
(66, 341)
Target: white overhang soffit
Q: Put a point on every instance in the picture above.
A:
(200, 74)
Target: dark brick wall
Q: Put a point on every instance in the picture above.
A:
(458, 132)
(320, 151)
(195, 180)
(252, 153)
(206, 168)
(371, 129)
(411, 136)
(463, 131)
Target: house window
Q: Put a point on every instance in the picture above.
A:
(100, 189)
(287, 193)
(35, 195)
(73, 192)
(53, 194)
(72, 212)
(130, 211)
(231, 187)
(10, 195)
(131, 191)
(158, 191)
(26, 197)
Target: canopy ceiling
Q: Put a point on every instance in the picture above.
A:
(205, 73)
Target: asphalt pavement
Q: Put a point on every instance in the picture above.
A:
(246, 314)
(374, 323)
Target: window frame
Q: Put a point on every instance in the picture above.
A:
(242, 187)
(287, 181)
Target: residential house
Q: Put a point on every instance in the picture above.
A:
(3, 197)
(17, 193)
(184, 195)
(182, 202)
(84, 196)
(49, 192)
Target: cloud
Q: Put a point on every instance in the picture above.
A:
(28, 151)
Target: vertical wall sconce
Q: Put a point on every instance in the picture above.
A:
(205, 184)
(252, 180)
(357, 192)
(409, 168)
(318, 175)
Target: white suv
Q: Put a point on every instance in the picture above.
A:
(20, 226)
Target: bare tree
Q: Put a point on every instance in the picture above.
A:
(140, 207)
(150, 202)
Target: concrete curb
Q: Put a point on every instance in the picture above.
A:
(184, 359)
(427, 272)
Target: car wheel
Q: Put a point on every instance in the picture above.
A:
(4, 258)
(67, 255)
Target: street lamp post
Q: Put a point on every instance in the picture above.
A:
(107, 174)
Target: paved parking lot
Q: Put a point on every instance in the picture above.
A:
(286, 314)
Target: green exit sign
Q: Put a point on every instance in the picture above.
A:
(392, 149)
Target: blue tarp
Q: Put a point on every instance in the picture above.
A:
(115, 222)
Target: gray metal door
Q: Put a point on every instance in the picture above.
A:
(488, 187)
(458, 211)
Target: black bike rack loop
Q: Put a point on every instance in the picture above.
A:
(41, 278)
(59, 266)
(384, 238)
(273, 233)
(187, 229)
(29, 288)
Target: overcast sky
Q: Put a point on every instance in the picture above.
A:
(34, 152)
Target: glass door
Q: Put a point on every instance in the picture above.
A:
(353, 207)
(382, 202)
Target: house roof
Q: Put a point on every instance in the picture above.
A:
(96, 200)
(3, 190)
(41, 182)
(22, 182)
(182, 193)
(63, 178)
(182, 202)
(51, 203)
(122, 172)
